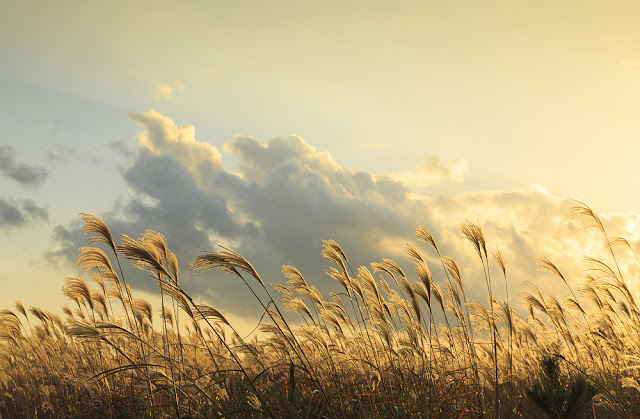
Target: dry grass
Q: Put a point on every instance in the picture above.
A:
(387, 345)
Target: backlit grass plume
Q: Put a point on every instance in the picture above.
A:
(384, 343)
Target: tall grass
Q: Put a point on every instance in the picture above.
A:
(389, 344)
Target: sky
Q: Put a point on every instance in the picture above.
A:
(271, 126)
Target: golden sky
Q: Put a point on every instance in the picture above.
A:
(495, 110)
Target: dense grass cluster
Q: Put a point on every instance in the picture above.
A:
(390, 344)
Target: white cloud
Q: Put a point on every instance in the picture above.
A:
(167, 92)
(257, 162)
(164, 91)
(179, 88)
(432, 173)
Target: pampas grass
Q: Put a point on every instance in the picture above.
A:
(389, 344)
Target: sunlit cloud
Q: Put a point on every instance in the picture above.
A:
(433, 172)
(160, 135)
(168, 92)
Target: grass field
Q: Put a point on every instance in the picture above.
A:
(390, 344)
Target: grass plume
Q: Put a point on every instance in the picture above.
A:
(387, 344)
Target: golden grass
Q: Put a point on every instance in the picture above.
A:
(388, 345)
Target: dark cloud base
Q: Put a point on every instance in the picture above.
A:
(24, 174)
(16, 214)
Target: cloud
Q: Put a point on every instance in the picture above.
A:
(60, 153)
(179, 87)
(168, 92)
(65, 255)
(287, 197)
(19, 214)
(123, 148)
(34, 211)
(10, 215)
(161, 136)
(257, 162)
(432, 173)
(24, 174)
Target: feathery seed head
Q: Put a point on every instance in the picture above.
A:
(143, 255)
(228, 261)
(473, 233)
(20, 308)
(425, 236)
(95, 225)
(382, 267)
(93, 257)
(585, 217)
(499, 258)
(546, 265)
(78, 290)
(334, 254)
(453, 269)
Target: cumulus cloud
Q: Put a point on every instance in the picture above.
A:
(433, 172)
(287, 197)
(161, 136)
(24, 174)
(168, 92)
(16, 214)
(257, 162)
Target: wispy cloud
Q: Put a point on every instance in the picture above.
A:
(23, 173)
(34, 211)
(169, 92)
(60, 153)
(121, 147)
